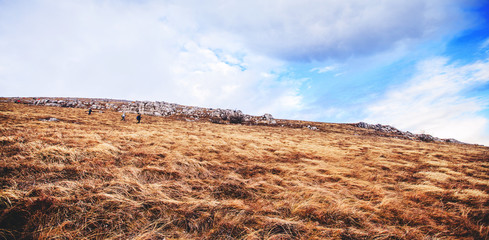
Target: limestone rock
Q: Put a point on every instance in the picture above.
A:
(406, 135)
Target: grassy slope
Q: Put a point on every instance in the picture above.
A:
(97, 177)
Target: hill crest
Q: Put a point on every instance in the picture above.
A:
(215, 115)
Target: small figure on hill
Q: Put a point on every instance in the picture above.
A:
(123, 116)
(139, 117)
(89, 111)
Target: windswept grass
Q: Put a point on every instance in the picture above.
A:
(96, 177)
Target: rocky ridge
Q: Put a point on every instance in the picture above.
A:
(220, 116)
(386, 129)
(157, 108)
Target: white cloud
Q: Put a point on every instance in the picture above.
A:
(322, 29)
(205, 79)
(434, 101)
(485, 44)
(145, 51)
(229, 54)
(324, 69)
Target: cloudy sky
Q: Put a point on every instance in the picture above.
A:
(418, 65)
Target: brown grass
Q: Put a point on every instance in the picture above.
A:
(96, 177)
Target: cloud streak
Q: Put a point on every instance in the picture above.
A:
(324, 69)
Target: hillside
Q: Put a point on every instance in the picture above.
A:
(65, 174)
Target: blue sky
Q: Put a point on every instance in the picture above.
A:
(421, 66)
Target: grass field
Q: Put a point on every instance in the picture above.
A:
(96, 177)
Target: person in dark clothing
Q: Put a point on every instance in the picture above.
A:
(89, 111)
(123, 116)
(139, 117)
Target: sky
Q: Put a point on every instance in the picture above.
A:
(418, 65)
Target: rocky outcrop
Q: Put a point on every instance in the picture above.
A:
(392, 131)
(268, 118)
(189, 113)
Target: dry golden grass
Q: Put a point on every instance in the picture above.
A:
(96, 177)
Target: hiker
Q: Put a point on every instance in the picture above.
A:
(89, 111)
(123, 116)
(139, 117)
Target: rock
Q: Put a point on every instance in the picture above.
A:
(267, 116)
(426, 138)
(312, 127)
(451, 140)
(363, 125)
(49, 119)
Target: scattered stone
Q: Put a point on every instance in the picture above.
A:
(312, 127)
(49, 119)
